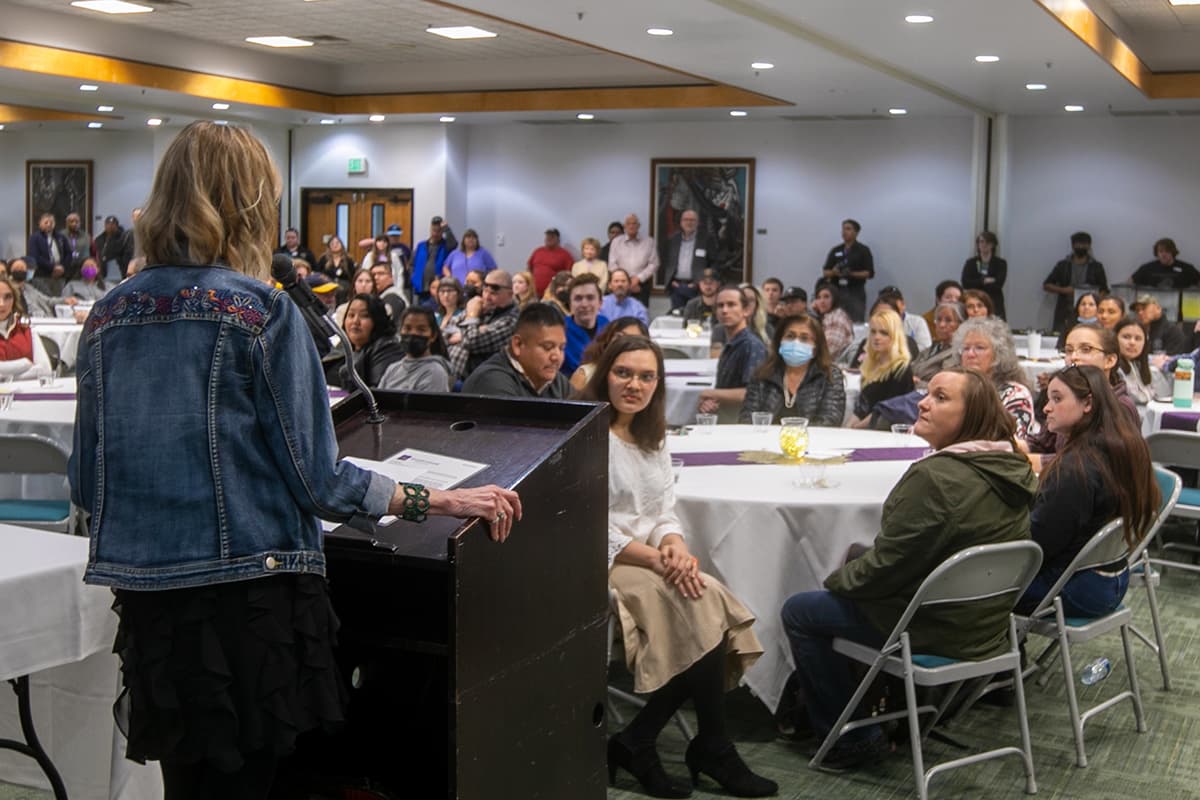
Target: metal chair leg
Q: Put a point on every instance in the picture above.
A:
(1069, 677)
(1138, 715)
(1159, 640)
(914, 724)
(1022, 716)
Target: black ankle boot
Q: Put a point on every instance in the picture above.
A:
(721, 762)
(644, 765)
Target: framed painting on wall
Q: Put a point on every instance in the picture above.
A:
(721, 192)
(58, 188)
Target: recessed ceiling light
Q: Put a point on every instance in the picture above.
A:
(897, 112)
(95, 124)
(762, 65)
(112, 6)
(1072, 108)
(279, 41)
(220, 106)
(1, 127)
(660, 31)
(377, 118)
(105, 109)
(585, 116)
(918, 19)
(1035, 87)
(220, 122)
(329, 122)
(987, 59)
(154, 122)
(737, 113)
(445, 119)
(88, 87)
(461, 32)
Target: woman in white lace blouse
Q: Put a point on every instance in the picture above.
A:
(685, 634)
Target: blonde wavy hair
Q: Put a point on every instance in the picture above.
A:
(215, 198)
(878, 366)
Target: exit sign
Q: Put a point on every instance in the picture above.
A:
(356, 166)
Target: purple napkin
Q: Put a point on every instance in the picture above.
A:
(1180, 420)
(44, 396)
(338, 394)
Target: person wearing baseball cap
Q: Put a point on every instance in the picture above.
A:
(429, 256)
(1162, 335)
(704, 305)
(793, 302)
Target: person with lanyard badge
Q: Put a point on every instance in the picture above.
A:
(850, 265)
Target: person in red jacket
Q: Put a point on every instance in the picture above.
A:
(549, 259)
(16, 340)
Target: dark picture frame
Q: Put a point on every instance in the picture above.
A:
(721, 192)
(58, 187)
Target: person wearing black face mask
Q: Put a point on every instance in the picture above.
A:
(425, 366)
(1076, 271)
(37, 304)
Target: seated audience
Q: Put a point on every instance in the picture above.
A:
(798, 379)
(977, 304)
(741, 356)
(914, 326)
(16, 339)
(704, 305)
(1087, 306)
(621, 326)
(1087, 345)
(685, 634)
(886, 370)
(793, 302)
(1166, 271)
(387, 291)
(548, 260)
(986, 346)
(946, 292)
(469, 255)
(1143, 381)
(932, 360)
(1164, 336)
(35, 303)
(523, 289)
(372, 335)
(486, 325)
(363, 283)
(987, 272)
(529, 366)
(973, 490)
(772, 292)
(425, 366)
(854, 355)
(303, 268)
(556, 293)
(1109, 311)
(592, 263)
(756, 312)
(618, 302)
(584, 321)
(839, 330)
(324, 289)
(1102, 472)
(451, 306)
(88, 287)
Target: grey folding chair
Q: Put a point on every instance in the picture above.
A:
(28, 454)
(977, 573)
(1048, 619)
(620, 694)
(674, 352)
(1141, 568)
(1178, 449)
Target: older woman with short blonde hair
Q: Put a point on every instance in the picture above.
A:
(591, 262)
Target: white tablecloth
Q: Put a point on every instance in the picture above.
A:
(60, 631)
(688, 377)
(767, 539)
(689, 346)
(63, 332)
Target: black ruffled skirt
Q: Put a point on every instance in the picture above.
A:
(215, 672)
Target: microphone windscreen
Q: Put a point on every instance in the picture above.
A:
(282, 269)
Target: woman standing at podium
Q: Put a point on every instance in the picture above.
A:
(686, 635)
(205, 453)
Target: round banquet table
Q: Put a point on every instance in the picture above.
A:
(679, 340)
(768, 539)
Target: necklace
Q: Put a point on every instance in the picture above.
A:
(789, 397)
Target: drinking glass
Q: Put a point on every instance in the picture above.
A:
(677, 467)
(793, 436)
(761, 420)
(706, 423)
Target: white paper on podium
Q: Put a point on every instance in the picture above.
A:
(431, 470)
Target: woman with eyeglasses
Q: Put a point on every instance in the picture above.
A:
(1090, 346)
(685, 634)
(1102, 472)
(621, 326)
(798, 379)
(986, 346)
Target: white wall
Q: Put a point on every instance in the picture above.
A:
(907, 181)
(1126, 181)
(122, 168)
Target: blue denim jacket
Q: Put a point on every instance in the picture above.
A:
(204, 447)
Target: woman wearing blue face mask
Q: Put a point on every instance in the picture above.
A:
(798, 379)
(1087, 312)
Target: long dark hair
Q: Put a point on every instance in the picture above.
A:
(649, 426)
(1108, 343)
(1142, 361)
(820, 359)
(1106, 440)
(377, 311)
(437, 345)
(611, 331)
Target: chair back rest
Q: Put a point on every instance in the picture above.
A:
(1175, 448)
(976, 573)
(674, 352)
(31, 454)
(1105, 546)
(1169, 485)
(51, 348)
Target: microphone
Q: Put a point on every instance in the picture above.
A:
(321, 325)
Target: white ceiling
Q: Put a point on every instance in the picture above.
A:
(833, 57)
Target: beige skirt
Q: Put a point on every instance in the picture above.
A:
(665, 633)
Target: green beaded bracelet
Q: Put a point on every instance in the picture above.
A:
(416, 502)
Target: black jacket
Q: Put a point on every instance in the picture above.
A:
(115, 247)
(1064, 305)
(973, 279)
(820, 398)
(497, 377)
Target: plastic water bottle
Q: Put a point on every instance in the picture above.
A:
(1184, 387)
(1095, 671)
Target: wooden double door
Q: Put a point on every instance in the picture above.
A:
(353, 215)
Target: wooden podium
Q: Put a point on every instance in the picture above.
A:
(477, 670)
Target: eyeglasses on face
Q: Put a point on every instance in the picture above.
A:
(1082, 350)
(626, 374)
(495, 287)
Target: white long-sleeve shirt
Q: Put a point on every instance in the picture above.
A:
(638, 257)
(641, 496)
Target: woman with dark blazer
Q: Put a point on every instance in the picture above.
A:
(986, 271)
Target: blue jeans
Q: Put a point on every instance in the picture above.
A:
(1088, 593)
(680, 294)
(812, 621)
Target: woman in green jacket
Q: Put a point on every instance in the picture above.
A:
(974, 489)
